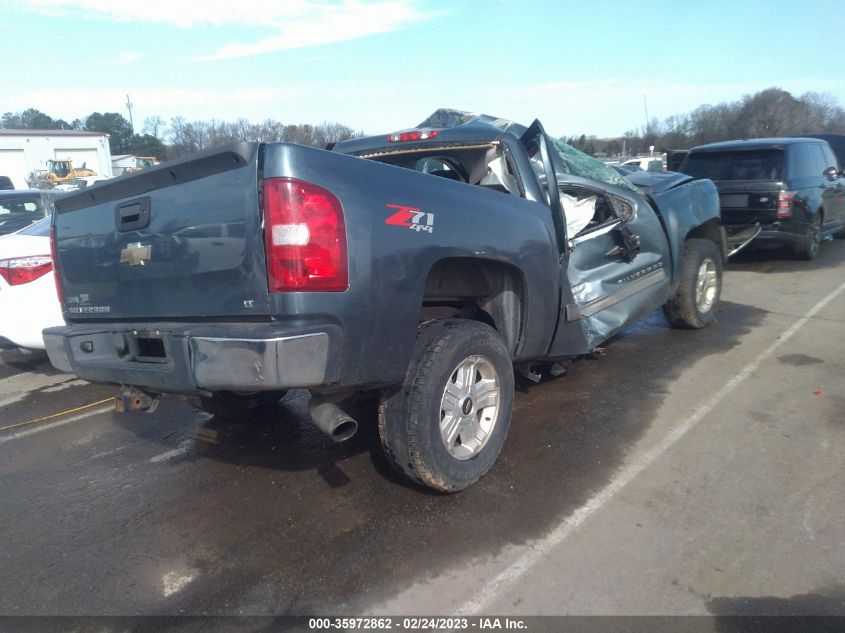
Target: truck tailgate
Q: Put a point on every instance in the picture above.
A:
(178, 241)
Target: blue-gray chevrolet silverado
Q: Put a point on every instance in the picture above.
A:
(430, 265)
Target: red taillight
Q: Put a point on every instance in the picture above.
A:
(785, 204)
(22, 270)
(53, 252)
(413, 135)
(305, 237)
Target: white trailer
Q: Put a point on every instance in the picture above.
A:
(121, 162)
(23, 152)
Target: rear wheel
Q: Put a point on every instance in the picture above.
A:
(235, 404)
(808, 249)
(445, 426)
(695, 301)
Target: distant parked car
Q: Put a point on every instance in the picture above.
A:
(675, 158)
(28, 298)
(22, 207)
(792, 187)
(646, 163)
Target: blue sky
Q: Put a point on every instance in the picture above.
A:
(382, 65)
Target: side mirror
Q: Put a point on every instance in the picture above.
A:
(831, 173)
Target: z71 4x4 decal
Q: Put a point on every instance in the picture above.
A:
(411, 218)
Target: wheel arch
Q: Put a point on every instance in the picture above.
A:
(481, 289)
(709, 230)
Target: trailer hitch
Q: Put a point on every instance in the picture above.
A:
(134, 399)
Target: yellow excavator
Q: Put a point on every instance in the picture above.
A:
(59, 172)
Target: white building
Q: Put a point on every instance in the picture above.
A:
(121, 162)
(25, 151)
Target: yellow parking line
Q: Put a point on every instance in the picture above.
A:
(55, 415)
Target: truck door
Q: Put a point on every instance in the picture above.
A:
(612, 262)
(616, 264)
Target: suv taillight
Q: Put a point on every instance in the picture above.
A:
(305, 237)
(785, 204)
(21, 270)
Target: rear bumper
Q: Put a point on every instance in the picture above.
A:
(786, 232)
(176, 359)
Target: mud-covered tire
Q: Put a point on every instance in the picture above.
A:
(696, 300)
(234, 405)
(808, 248)
(410, 416)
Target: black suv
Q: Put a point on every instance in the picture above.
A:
(792, 186)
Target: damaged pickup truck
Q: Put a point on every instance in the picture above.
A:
(429, 264)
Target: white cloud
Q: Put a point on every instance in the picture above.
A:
(326, 24)
(126, 57)
(288, 24)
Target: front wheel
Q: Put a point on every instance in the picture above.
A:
(694, 303)
(445, 426)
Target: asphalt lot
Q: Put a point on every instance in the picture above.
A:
(680, 473)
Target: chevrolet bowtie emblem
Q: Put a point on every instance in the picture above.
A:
(136, 254)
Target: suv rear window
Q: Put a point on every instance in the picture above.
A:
(759, 164)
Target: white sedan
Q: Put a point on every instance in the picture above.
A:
(28, 299)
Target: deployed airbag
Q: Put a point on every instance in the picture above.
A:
(578, 212)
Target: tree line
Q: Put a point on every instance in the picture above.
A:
(122, 138)
(769, 113)
(181, 136)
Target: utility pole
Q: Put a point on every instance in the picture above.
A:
(129, 107)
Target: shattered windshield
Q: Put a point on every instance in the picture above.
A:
(577, 163)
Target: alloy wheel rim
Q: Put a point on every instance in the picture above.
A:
(469, 408)
(706, 285)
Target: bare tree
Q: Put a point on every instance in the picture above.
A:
(154, 126)
(823, 113)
